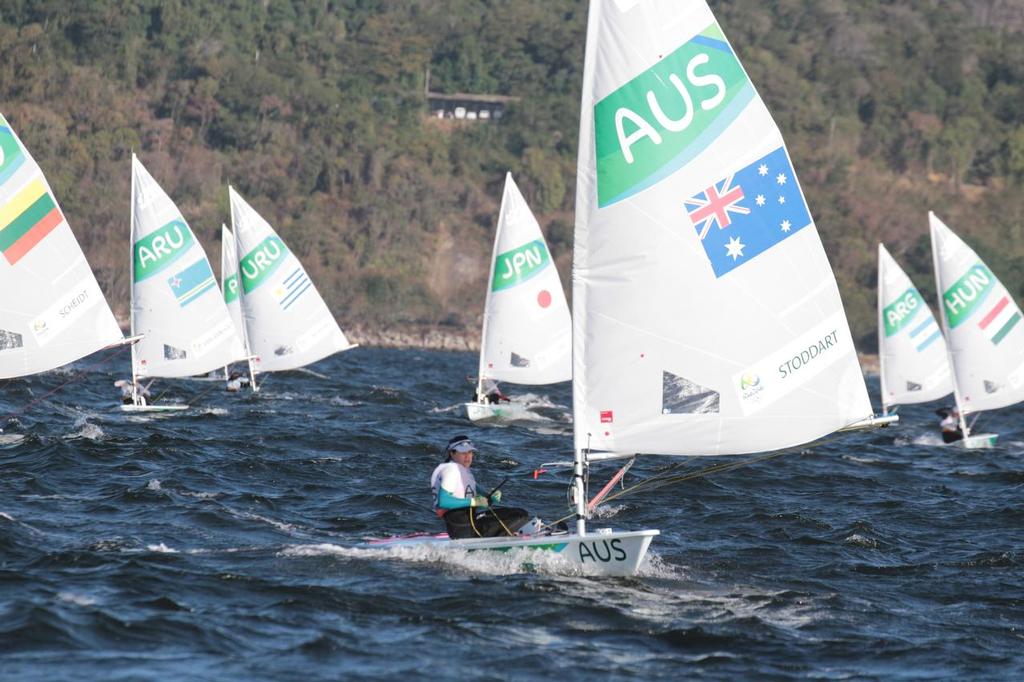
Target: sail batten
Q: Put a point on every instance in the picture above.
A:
(526, 336)
(706, 317)
(55, 312)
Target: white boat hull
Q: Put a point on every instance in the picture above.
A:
(979, 441)
(153, 408)
(497, 412)
(599, 553)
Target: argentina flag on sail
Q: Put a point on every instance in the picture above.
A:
(749, 212)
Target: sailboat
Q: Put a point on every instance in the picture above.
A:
(981, 322)
(706, 318)
(229, 285)
(174, 299)
(287, 324)
(912, 357)
(55, 312)
(526, 336)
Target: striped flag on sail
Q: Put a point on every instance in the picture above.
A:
(26, 219)
(192, 282)
(293, 286)
(925, 334)
(1000, 319)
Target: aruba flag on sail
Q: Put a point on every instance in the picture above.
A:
(26, 218)
(192, 282)
(749, 212)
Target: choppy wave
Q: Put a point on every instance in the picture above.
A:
(224, 542)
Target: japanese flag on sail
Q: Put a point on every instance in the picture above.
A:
(749, 212)
(1000, 318)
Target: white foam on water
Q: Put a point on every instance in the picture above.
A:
(75, 598)
(342, 402)
(153, 484)
(11, 438)
(217, 411)
(607, 511)
(280, 525)
(88, 431)
(482, 562)
(161, 548)
(927, 439)
(861, 541)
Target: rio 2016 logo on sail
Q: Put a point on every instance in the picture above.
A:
(656, 123)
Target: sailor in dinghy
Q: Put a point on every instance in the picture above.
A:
(466, 513)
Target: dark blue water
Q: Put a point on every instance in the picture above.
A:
(221, 544)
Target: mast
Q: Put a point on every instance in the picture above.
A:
(881, 332)
(245, 330)
(131, 283)
(964, 428)
(487, 290)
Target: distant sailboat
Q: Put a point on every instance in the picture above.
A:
(526, 336)
(175, 301)
(912, 357)
(287, 323)
(706, 319)
(981, 322)
(54, 311)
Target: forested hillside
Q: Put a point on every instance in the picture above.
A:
(315, 112)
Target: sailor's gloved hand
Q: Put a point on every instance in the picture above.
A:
(495, 497)
(478, 501)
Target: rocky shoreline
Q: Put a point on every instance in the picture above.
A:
(434, 338)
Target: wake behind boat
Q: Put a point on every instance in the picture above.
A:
(602, 553)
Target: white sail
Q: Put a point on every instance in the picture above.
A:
(229, 284)
(982, 325)
(912, 357)
(175, 301)
(527, 338)
(54, 311)
(706, 318)
(287, 322)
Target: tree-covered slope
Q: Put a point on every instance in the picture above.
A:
(315, 112)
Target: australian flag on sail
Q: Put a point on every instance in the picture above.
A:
(749, 212)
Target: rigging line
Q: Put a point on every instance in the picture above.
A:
(77, 377)
(655, 482)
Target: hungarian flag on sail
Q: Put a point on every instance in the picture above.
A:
(192, 282)
(749, 212)
(26, 219)
(999, 319)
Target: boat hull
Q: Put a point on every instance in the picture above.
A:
(499, 412)
(599, 553)
(979, 441)
(153, 408)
